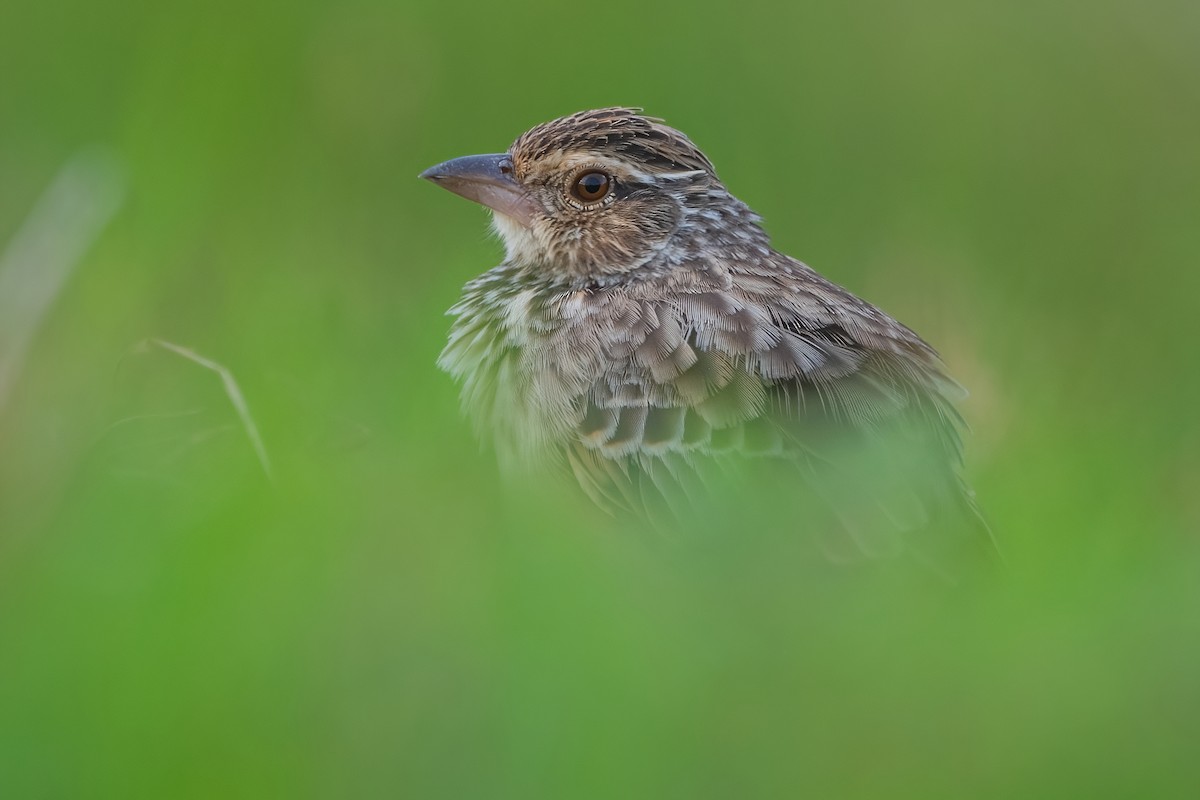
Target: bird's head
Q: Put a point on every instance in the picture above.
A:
(599, 194)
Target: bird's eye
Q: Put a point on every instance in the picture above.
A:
(592, 186)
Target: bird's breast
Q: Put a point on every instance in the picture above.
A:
(523, 371)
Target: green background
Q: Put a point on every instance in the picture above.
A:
(1017, 181)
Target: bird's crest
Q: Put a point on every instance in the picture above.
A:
(617, 131)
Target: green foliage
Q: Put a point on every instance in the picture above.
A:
(1015, 181)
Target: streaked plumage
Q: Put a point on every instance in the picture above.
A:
(639, 336)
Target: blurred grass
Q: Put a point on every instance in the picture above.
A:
(1017, 182)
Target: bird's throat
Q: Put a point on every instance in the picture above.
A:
(521, 244)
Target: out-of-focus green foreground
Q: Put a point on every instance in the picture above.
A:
(387, 618)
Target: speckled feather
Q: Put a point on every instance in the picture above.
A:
(644, 336)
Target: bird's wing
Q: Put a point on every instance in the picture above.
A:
(780, 364)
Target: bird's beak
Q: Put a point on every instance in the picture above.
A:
(487, 180)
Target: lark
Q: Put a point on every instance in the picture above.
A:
(642, 328)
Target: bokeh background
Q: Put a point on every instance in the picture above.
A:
(1017, 181)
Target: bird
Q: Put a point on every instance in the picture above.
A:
(642, 329)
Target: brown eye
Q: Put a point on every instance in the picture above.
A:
(592, 186)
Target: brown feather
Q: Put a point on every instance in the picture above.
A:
(634, 339)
